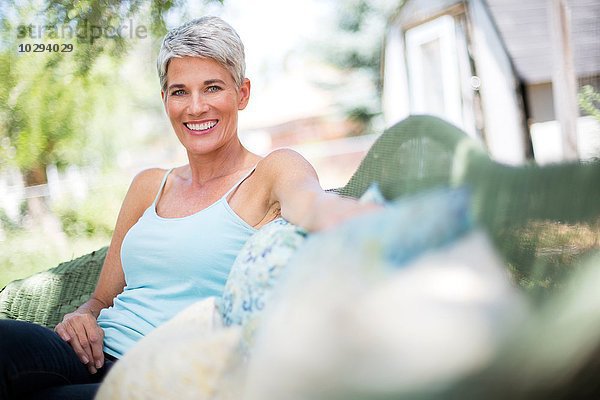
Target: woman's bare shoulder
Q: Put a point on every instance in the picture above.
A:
(283, 161)
(286, 171)
(145, 185)
(148, 178)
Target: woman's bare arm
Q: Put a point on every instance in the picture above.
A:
(295, 186)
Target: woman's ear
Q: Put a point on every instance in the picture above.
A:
(244, 94)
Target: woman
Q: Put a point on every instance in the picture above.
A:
(178, 231)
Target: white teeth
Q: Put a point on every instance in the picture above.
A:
(201, 127)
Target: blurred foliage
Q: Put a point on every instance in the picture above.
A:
(25, 252)
(94, 216)
(82, 15)
(7, 224)
(87, 224)
(589, 101)
(356, 46)
(47, 99)
(552, 250)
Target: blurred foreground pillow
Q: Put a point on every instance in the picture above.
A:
(189, 357)
(386, 304)
(553, 355)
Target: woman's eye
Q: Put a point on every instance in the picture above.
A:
(213, 89)
(178, 92)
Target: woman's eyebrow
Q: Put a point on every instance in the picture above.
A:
(206, 83)
(212, 81)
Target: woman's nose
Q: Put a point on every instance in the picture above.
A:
(198, 105)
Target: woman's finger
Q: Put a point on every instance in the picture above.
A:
(60, 330)
(84, 341)
(96, 336)
(84, 335)
(74, 342)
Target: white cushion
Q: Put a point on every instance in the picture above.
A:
(192, 356)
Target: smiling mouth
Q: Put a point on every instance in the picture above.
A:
(200, 127)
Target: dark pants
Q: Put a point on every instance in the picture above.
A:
(35, 363)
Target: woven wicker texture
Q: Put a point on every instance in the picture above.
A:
(46, 296)
(542, 219)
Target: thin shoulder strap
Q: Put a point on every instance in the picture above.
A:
(239, 182)
(162, 185)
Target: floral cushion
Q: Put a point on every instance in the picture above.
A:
(256, 270)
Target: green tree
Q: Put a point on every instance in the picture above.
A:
(47, 99)
(589, 101)
(356, 46)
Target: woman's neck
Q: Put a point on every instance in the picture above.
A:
(224, 161)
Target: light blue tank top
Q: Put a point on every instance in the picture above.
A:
(169, 263)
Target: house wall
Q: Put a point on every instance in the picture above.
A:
(504, 120)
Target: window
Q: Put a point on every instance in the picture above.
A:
(434, 81)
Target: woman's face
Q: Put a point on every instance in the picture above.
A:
(202, 101)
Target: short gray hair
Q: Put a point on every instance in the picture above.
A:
(207, 37)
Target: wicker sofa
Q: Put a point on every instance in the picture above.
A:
(542, 220)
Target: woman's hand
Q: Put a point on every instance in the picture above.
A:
(80, 329)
